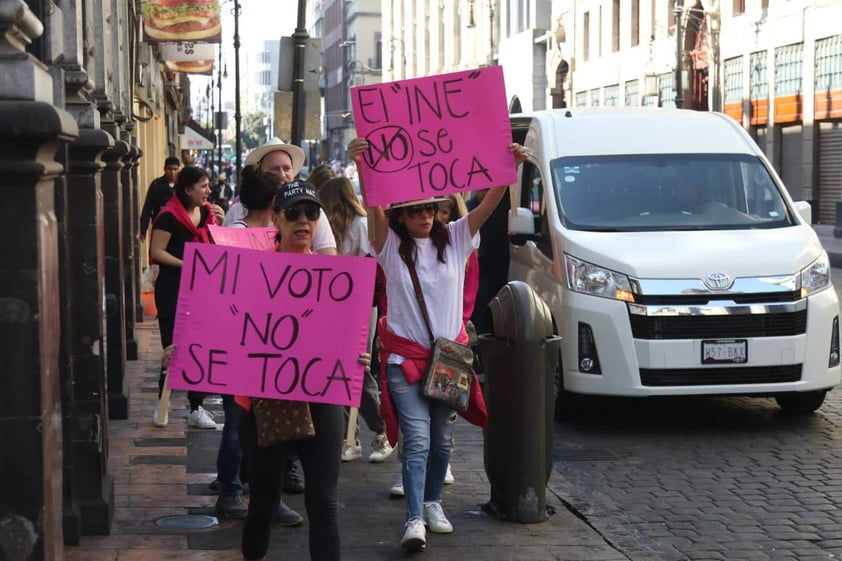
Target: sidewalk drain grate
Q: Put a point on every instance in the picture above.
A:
(585, 455)
(159, 459)
(187, 521)
(156, 442)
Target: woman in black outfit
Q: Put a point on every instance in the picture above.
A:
(183, 219)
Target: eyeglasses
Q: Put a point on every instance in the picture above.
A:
(415, 210)
(310, 211)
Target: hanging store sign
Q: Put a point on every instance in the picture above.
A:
(181, 20)
(187, 50)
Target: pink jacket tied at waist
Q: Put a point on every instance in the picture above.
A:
(417, 357)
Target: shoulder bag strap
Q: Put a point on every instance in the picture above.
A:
(420, 297)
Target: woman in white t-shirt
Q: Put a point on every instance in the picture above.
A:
(409, 233)
(350, 228)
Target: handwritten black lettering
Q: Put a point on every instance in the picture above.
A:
(304, 377)
(306, 283)
(449, 93)
(195, 351)
(363, 98)
(339, 375)
(349, 287)
(223, 261)
(270, 328)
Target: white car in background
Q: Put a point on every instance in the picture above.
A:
(672, 258)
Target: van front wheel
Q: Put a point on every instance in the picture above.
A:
(801, 403)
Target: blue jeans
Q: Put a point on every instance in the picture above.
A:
(230, 454)
(427, 427)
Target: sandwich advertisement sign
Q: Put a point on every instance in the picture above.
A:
(166, 21)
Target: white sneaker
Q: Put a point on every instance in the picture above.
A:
(200, 418)
(397, 489)
(448, 476)
(415, 535)
(436, 520)
(381, 449)
(351, 453)
(164, 421)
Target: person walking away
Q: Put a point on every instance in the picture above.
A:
(159, 193)
(347, 219)
(409, 236)
(297, 213)
(183, 219)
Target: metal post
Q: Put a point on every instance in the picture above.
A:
(219, 113)
(237, 116)
(679, 59)
(299, 42)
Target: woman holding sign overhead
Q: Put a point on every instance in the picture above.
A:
(297, 213)
(408, 236)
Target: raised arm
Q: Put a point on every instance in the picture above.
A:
(478, 216)
(378, 225)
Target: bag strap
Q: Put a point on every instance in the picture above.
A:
(420, 297)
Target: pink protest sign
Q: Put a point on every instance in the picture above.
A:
(433, 136)
(270, 324)
(255, 238)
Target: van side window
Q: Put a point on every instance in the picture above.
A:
(532, 198)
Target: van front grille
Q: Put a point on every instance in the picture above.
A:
(719, 327)
(720, 376)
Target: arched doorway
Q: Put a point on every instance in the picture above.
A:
(557, 92)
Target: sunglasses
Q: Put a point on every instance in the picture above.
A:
(416, 210)
(310, 211)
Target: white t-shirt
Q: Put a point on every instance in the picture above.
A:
(322, 237)
(441, 283)
(356, 239)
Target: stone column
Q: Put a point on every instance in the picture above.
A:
(115, 304)
(129, 232)
(137, 247)
(32, 130)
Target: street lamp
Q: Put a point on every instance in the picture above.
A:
(679, 59)
(237, 115)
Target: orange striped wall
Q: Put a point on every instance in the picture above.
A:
(829, 105)
(788, 108)
(734, 110)
(759, 112)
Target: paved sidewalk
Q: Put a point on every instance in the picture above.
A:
(162, 472)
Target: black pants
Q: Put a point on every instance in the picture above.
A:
(320, 458)
(166, 295)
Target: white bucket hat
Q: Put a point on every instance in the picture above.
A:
(295, 153)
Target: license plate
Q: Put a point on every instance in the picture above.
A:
(719, 351)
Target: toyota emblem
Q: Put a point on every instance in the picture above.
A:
(718, 281)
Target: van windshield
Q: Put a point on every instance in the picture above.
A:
(667, 192)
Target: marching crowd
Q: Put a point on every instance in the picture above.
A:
(431, 283)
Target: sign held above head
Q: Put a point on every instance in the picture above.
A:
(434, 136)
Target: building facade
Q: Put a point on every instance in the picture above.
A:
(87, 116)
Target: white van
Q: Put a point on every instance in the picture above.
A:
(672, 258)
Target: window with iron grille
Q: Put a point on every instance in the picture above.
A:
(582, 99)
(595, 97)
(666, 89)
(632, 93)
(758, 79)
(611, 96)
(829, 63)
(733, 76)
(789, 69)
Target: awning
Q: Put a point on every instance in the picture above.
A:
(196, 138)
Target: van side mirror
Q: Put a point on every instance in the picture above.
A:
(522, 226)
(804, 211)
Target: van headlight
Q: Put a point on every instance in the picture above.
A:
(816, 277)
(588, 278)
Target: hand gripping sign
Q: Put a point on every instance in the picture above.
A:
(433, 136)
(271, 324)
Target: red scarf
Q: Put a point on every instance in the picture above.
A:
(417, 356)
(176, 208)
